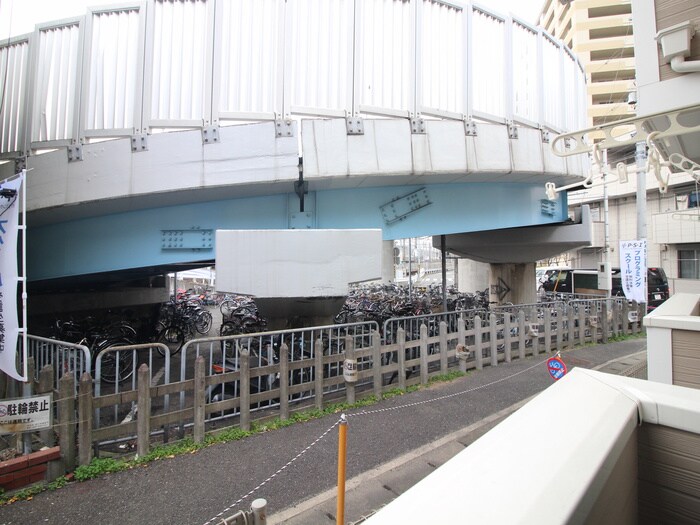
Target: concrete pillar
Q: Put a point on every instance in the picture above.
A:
(388, 271)
(471, 276)
(512, 283)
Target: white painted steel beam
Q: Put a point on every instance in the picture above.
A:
(296, 263)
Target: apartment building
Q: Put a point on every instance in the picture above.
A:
(600, 33)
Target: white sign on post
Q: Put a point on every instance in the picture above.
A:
(25, 414)
(633, 269)
(350, 370)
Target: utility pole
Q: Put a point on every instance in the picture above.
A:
(606, 224)
(640, 157)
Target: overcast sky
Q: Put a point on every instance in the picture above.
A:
(18, 17)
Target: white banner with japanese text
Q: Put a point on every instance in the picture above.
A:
(9, 324)
(633, 269)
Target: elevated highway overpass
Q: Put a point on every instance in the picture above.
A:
(148, 127)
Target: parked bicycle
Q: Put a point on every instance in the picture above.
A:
(178, 321)
(116, 366)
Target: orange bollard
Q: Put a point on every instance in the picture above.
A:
(342, 454)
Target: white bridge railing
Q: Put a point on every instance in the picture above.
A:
(123, 71)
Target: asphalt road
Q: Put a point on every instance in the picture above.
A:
(195, 488)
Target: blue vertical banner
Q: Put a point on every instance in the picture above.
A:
(9, 323)
(633, 269)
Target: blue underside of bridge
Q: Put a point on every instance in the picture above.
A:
(133, 239)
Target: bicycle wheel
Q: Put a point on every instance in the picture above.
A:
(232, 327)
(227, 307)
(202, 322)
(172, 337)
(117, 365)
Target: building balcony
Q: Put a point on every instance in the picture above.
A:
(676, 227)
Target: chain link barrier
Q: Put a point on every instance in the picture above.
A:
(366, 413)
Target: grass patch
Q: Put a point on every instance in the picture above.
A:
(102, 466)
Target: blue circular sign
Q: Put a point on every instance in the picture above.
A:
(556, 368)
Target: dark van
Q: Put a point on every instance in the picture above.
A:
(657, 286)
(585, 282)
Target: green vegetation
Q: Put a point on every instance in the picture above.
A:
(101, 466)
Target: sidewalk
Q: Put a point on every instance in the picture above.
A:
(372, 490)
(391, 445)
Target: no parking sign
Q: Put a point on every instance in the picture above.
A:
(556, 368)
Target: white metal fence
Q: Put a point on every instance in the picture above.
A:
(125, 70)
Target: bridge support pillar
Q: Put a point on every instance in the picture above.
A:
(471, 276)
(512, 283)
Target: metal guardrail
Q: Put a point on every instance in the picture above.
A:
(275, 383)
(65, 357)
(223, 354)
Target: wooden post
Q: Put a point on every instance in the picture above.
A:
(507, 321)
(478, 354)
(559, 312)
(244, 389)
(284, 381)
(581, 324)
(45, 386)
(199, 399)
(535, 339)
(521, 334)
(461, 332)
(424, 354)
(493, 340)
(605, 324)
(443, 347)
(625, 318)
(571, 323)
(143, 420)
(401, 358)
(548, 330)
(377, 364)
(85, 419)
(349, 354)
(318, 377)
(66, 420)
(27, 391)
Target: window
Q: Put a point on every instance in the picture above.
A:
(685, 201)
(688, 267)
